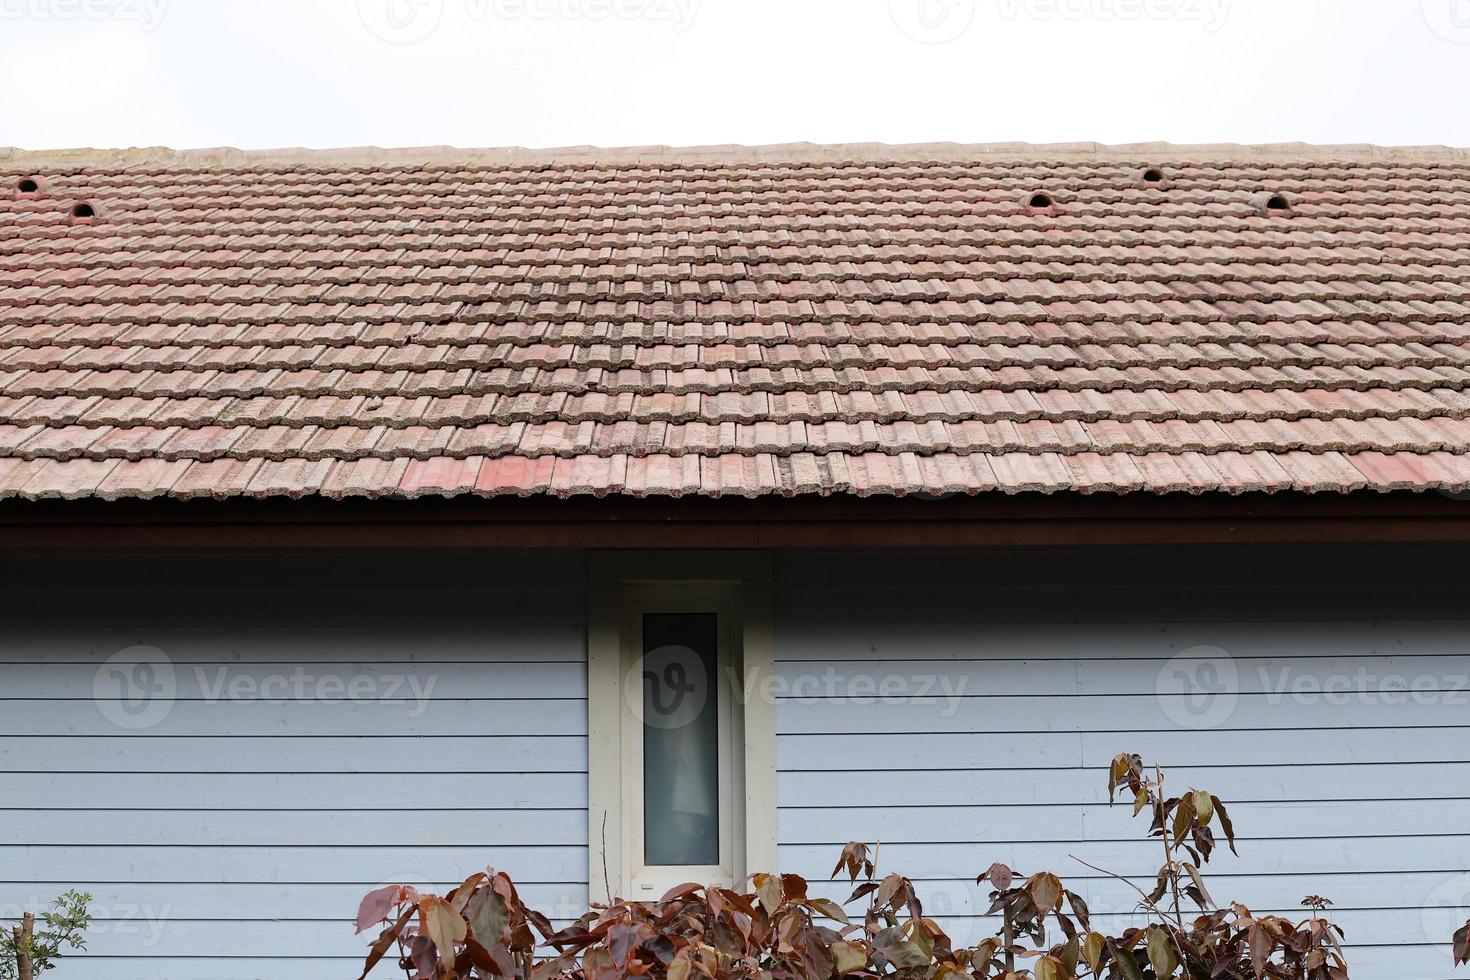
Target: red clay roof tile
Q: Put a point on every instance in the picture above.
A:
(725, 322)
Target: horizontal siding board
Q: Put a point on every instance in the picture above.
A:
(457, 753)
(803, 574)
(1108, 713)
(860, 751)
(829, 642)
(256, 609)
(1104, 586)
(298, 645)
(552, 716)
(289, 791)
(1097, 821)
(213, 682)
(880, 606)
(1328, 678)
(225, 864)
(408, 824)
(1068, 787)
(188, 574)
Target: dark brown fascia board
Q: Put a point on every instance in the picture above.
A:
(1060, 520)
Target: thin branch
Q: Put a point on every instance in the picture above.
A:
(1113, 874)
(606, 881)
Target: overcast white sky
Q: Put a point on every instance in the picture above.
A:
(268, 73)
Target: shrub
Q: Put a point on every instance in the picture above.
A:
(25, 953)
(771, 928)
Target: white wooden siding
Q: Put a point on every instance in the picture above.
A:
(234, 839)
(1055, 658)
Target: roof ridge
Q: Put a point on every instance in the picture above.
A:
(733, 153)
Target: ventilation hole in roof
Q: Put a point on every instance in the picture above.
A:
(1153, 175)
(83, 210)
(27, 185)
(1278, 203)
(1041, 200)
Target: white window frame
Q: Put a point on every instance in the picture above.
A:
(622, 588)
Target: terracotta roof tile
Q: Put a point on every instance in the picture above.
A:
(731, 322)
(220, 478)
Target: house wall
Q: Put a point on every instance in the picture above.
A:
(231, 838)
(1058, 658)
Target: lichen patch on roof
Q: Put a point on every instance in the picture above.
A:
(724, 321)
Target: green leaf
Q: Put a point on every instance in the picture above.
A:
(1183, 818)
(1204, 806)
(1161, 953)
(1092, 951)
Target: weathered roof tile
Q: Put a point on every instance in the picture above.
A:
(837, 321)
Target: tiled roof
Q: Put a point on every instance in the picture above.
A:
(726, 321)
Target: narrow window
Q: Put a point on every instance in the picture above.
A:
(681, 739)
(681, 732)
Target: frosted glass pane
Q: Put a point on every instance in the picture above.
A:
(681, 739)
